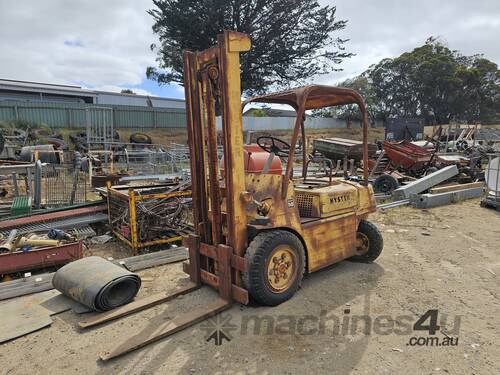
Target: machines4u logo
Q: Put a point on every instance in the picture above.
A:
(218, 329)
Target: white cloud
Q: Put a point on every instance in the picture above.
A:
(105, 43)
(113, 88)
(95, 42)
(387, 28)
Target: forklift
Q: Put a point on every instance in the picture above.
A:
(257, 232)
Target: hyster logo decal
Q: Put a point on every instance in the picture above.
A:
(341, 198)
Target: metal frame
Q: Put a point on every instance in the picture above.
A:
(99, 125)
(314, 97)
(130, 199)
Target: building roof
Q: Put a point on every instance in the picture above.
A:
(71, 90)
(8, 84)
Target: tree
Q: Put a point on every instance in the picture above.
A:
(257, 112)
(292, 40)
(127, 91)
(436, 83)
(351, 111)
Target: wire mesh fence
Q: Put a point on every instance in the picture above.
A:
(63, 185)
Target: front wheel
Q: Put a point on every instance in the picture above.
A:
(369, 243)
(276, 263)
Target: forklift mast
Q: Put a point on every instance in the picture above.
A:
(212, 85)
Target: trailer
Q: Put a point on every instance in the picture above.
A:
(340, 148)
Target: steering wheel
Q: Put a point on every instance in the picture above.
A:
(274, 145)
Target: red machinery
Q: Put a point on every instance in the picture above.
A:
(408, 156)
(255, 159)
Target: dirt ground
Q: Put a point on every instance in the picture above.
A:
(445, 258)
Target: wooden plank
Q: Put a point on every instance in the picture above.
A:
(135, 306)
(448, 188)
(21, 287)
(155, 255)
(167, 329)
(156, 262)
(155, 259)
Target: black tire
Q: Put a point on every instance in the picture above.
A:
(259, 254)
(140, 138)
(375, 244)
(385, 184)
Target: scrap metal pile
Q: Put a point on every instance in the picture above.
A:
(446, 167)
(144, 216)
(27, 252)
(160, 215)
(50, 186)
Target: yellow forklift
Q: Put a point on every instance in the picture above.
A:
(257, 233)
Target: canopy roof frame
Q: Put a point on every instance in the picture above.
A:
(314, 97)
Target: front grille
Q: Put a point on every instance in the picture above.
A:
(305, 204)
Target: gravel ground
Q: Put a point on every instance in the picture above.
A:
(445, 258)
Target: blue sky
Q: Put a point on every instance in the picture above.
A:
(169, 91)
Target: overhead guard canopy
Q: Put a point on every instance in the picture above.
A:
(312, 97)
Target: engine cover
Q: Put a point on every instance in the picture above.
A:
(320, 202)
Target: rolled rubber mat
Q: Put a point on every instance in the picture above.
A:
(97, 283)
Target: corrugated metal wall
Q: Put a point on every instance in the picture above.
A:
(72, 115)
(59, 115)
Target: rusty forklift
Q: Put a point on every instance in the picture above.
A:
(257, 233)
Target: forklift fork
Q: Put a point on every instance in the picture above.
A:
(226, 261)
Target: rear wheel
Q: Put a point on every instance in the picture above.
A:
(140, 138)
(276, 262)
(369, 243)
(385, 184)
